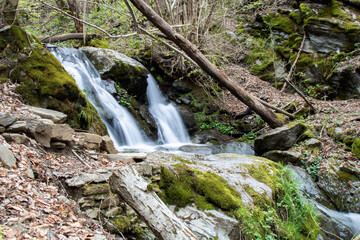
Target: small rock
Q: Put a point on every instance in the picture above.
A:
(6, 119)
(55, 116)
(15, 137)
(112, 201)
(108, 145)
(113, 211)
(41, 130)
(29, 173)
(85, 202)
(62, 133)
(98, 237)
(313, 143)
(7, 157)
(18, 126)
(92, 213)
(144, 169)
(89, 140)
(2, 129)
(58, 145)
(96, 189)
(127, 157)
(85, 178)
(283, 156)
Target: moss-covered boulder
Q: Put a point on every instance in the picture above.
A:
(43, 82)
(126, 72)
(356, 147)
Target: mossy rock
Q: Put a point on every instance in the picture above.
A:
(356, 147)
(99, 43)
(44, 82)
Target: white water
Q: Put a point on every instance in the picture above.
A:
(171, 129)
(121, 126)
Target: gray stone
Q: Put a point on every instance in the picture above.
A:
(108, 145)
(92, 213)
(281, 138)
(62, 133)
(91, 141)
(55, 116)
(6, 119)
(29, 173)
(113, 211)
(96, 189)
(144, 169)
(239, 148)
(127, 157)
(15, 137)
(188, 119)
(18, 126)
(313, 143)
(41, 130)
(58, 145)
(111, 201)
(98, 237)
(81, 180)
(283, 156)
(7, 157)
(86, 202)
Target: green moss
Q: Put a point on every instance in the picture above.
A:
(122, 224)
(44, 82)
(346, 177)
(4, 80)
(280, 22)
(264, 172)
(356, 147)
(99, 43)
(207, 190)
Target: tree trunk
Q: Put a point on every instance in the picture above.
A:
(75, 11)
(132, 188)
(191, 50)
(7, 12)
(69, 36)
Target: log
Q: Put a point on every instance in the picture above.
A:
(69, 36)
(194, 53)
(132, 189)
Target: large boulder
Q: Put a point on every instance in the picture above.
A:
(124, 71)
(43, 80)
(281, 138)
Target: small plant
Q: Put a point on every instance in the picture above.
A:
(223, 128)
(249, 137)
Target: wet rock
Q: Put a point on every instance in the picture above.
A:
(15, 137)
(210, 224)
(308, 186)
(281, 138)
(127, 72)
(55, 116)
(239, 148)
(283, 156)
(181, 86)
(7, 158)
(6, 119)
(188, 119)
(108, 145)
(18, 126)
(204, 149)
(128, 157)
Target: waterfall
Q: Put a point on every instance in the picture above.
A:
(171, 128)
(121, 126)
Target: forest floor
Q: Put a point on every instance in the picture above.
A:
(33, 206)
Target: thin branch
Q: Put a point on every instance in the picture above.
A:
(80, 159)
(287, 80)
(276, 109)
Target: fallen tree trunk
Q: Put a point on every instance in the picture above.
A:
(132, 189)
(69, 36)
(191, 50)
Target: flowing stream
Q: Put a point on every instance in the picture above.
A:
(171, 129)
(121, 125)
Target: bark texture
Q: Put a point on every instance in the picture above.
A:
(191, 50)
(132, 188)
(69, 36)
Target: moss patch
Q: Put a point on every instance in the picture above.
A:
(183, 185)
(44, 82)
(99, 43)
(356, 147)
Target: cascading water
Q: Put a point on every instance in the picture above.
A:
(171, 129)
(121, 126)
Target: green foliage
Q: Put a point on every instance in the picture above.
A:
(248, 137)
(289, 217)
(311, 163)
(223, 128)
(123, 96)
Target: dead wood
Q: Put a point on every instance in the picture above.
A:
(132, 189)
